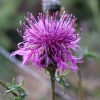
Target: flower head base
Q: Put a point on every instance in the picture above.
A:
(48, 40)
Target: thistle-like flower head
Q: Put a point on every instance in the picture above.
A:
(49, 41)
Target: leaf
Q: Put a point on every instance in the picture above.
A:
(22, 98)
(19, 98)
(92, 54)
(9, 85)
(63, 83)
(15, 98)
(61, 80)
(13, 81)
(9, 91)
(63, 75)
(18, 88)
(22, 83)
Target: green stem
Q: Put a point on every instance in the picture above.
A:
(8, 88)
(52, 77)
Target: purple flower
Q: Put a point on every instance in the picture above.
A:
(49, 41)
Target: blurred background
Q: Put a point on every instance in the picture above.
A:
(88, 14)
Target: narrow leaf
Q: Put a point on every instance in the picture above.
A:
(63, 75)
(13, 81)
(22, 83)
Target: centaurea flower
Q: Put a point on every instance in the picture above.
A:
(49, 41)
